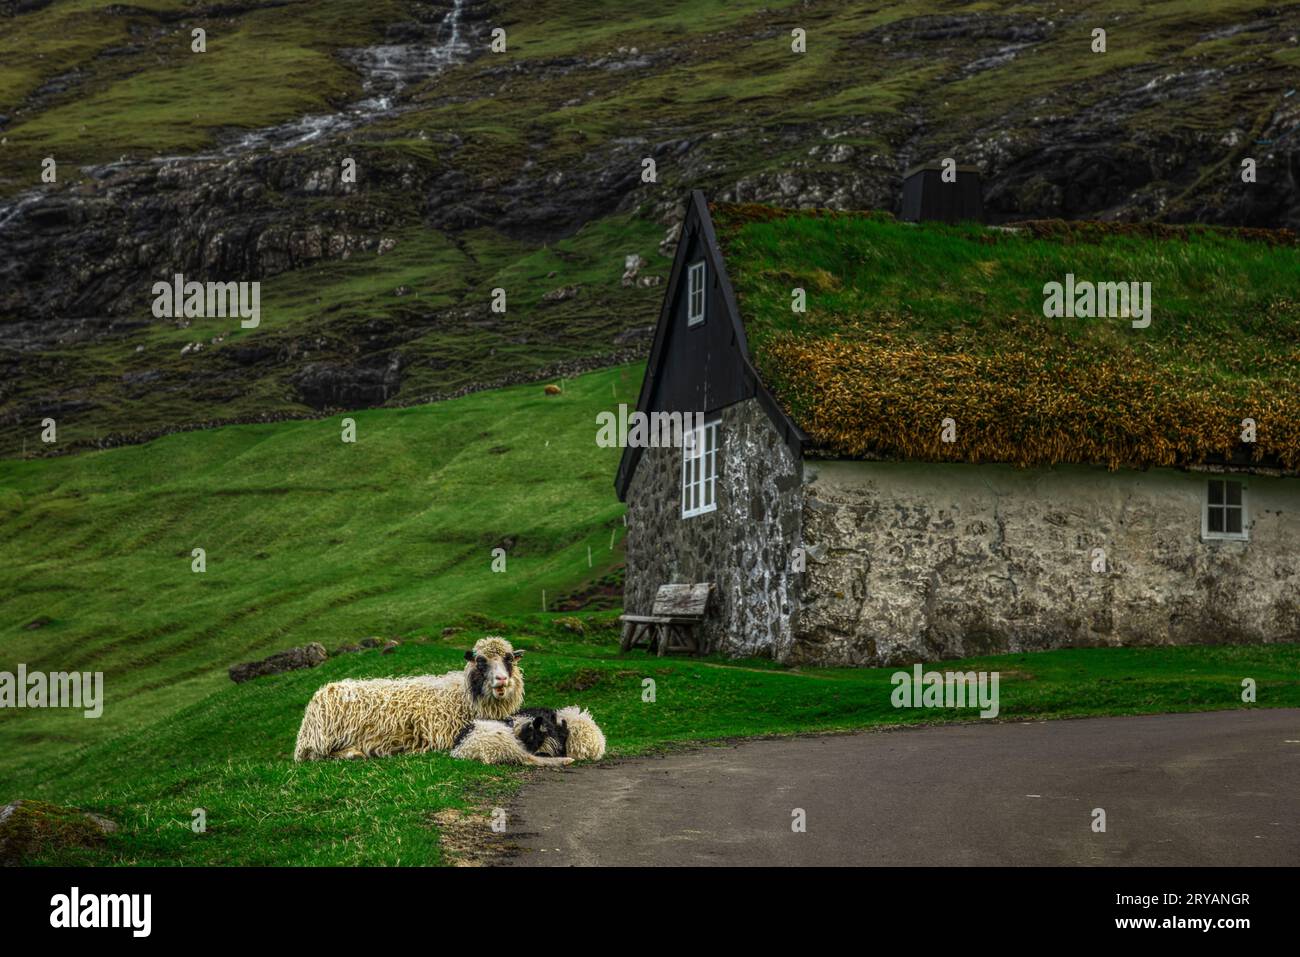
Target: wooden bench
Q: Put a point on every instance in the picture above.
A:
(671, 624)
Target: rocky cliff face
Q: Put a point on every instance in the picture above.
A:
(472, 167)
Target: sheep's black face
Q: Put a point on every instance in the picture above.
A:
(531, 735)
(560, 748)
(540, 731)
(550, 735)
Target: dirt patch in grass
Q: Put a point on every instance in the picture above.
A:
(467, 837)
(602, 594)
(584, 679)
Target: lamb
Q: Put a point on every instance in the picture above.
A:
(517, 740)
(584, 741)
(580, 737)
(535, 736)
(381, 716)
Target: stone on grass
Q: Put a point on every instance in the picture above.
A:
(308, 656)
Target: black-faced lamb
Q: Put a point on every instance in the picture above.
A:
(579, 736)
(534, 739)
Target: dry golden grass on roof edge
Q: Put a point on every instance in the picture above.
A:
(860, 399)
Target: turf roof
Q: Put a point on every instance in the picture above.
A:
(908, 325)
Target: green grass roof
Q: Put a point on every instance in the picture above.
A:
(908, 325)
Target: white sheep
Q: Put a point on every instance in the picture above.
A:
(381, 716)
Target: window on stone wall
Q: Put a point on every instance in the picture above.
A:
(700, 470)
(695, 294)
(1225, 510)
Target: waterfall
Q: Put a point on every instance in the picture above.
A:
(386, 70)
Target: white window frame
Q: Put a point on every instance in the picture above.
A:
(1224, 507)
(695, 293)
(700, 469)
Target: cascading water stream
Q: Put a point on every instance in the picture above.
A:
(386, 70)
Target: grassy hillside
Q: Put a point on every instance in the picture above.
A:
(307, 539)
(144, 91)
(523, 169)
(343, 317)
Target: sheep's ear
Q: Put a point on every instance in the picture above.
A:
(469, 656)
(518, 655)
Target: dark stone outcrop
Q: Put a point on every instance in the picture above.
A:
(324, 386)
(307, 656)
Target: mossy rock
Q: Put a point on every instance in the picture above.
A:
(33, 828)
(574, 625)
(483, 622)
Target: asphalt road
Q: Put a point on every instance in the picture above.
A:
(1196, 789)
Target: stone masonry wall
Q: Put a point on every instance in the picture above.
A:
(744, 546)
(921, 562)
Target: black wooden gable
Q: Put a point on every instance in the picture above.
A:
(706, 367)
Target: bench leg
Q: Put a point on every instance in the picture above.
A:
(664, 631)
(643, 631)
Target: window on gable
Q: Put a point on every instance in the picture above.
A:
(695, 294)
(1225, 510)
(700, 470)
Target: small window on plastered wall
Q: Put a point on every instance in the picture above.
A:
(1224, 515)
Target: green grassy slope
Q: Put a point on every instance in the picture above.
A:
(713, 91)
(331, 312)
(307, 539)
(1224, 305)
(150, 94)
(860, 64)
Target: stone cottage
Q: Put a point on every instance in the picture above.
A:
(905, 455)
